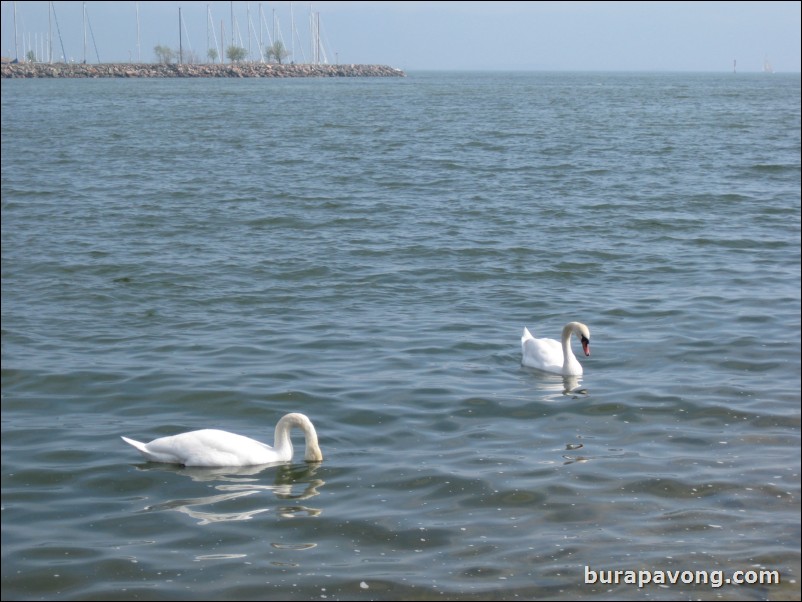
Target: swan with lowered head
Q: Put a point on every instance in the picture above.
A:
(550, 356)
(211, 447)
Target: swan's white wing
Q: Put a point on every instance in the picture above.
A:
(208, 447)
(543, 354)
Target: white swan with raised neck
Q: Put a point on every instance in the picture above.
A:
(553, 356)
(212, 447)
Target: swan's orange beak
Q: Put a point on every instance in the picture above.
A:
(586, 346)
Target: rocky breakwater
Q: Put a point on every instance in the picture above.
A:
(84, 70)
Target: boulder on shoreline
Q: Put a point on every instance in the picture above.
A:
(85, 70)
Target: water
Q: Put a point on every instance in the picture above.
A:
(215, 253)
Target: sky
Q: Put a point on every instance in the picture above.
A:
(423, 36)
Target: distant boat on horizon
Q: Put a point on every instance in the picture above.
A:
(767, 68)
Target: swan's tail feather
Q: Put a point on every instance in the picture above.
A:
(526, 335)
(136, 444)
(153, 455)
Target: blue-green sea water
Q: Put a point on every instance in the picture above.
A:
(182, 254)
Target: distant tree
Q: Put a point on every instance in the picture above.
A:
(212, 54)
(31, 56)
(164, 54)
(236, 54)
(277, 51)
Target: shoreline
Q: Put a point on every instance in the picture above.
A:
(161, 70)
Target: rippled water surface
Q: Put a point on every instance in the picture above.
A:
(181, 254)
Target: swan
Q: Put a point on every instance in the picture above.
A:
(212, 447)
(551, 356)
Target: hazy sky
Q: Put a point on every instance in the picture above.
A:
(575, 36)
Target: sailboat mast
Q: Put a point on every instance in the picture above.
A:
(84, 10)
(180, 40)
(16, 44)
(313, 29)
(292, 33)
(138, 45)
(210, 32)
(49, 35)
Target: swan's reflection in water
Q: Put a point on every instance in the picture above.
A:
(572, 385)
(555, 387)
(291, 483)
(614, 454)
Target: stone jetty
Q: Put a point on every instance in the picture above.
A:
(85, 70)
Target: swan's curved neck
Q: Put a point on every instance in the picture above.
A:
(283, 442)
(569, 359)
